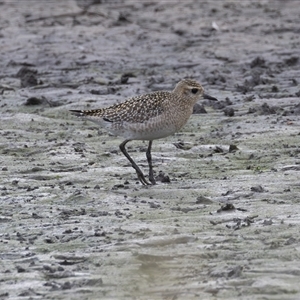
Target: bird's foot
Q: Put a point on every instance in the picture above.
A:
(142, 179)
(151, 178)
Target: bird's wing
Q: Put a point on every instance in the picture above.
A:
(134, 110)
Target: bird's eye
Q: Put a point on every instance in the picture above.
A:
(194, 91)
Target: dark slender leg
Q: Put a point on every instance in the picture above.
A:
(139, 173)
(149, 159)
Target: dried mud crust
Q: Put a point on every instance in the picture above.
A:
(75, 222)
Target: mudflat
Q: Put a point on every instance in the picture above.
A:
(75, 221)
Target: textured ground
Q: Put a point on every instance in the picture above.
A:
(75, 222)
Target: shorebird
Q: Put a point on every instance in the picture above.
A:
(148, 117)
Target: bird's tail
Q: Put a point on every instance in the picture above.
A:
(86, 113)
(77, 113)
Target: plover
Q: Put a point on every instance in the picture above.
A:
(148, 117)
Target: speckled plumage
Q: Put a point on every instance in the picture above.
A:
(148, 117)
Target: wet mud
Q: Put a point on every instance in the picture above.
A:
(75, 221)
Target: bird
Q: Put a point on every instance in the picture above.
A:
(148, 117)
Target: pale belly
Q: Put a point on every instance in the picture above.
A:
(155, 128)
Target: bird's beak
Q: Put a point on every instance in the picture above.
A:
(205, 96)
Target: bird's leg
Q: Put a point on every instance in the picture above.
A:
(139, 173)
(149, 159)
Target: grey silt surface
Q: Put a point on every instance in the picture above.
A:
(76, 225)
